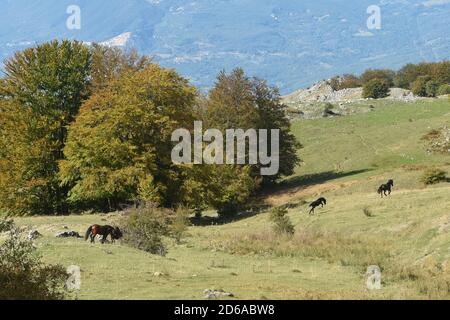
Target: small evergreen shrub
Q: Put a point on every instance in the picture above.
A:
(281, 222)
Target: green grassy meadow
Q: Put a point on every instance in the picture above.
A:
(345, 160)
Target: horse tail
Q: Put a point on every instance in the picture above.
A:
(379, 190)
(88, 232)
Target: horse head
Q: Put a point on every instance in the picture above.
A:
(116, 233)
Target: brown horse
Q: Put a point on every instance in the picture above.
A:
(104, 231)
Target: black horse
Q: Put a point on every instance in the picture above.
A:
(386, 188)
(315, 204)
(104, 231)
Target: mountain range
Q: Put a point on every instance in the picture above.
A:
(291, 43)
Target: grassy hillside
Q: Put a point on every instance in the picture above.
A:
(345, 160)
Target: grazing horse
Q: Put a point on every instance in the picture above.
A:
(104, 231)
(386, 188)
(318, 202)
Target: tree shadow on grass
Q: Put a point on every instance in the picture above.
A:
(313, 179)
(288, 186)
(225, 219)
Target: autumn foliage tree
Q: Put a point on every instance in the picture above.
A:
(119, 147)
(41, 93)
(90, 127)
(110, 63)
(238, 101)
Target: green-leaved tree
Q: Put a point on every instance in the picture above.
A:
(41, 92)
(119, 147)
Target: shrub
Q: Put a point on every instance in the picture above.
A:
(376, 89)
(6, 225)
(329, 107)
(431, 88)
(432, 135)
(443, 90)
(22, 274)
(367, 212)
(179, 224)
(419, 86)
(144, 228)
(347, 81)
(384, 74)
(433, 176)
(281, 223)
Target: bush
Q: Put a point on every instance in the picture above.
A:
(419, 86)
(6, 225)
(433, 176)
(282, 223)
(443, 90)
(431, 88)
(376, 89)
(367, 212)
(22, 274)
(347, 81)
(329, 107)
(384, 74)
(146, 226)
(179, 224)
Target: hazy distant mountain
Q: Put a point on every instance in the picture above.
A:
(292, 43)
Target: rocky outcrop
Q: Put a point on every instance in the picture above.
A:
(33, 235)
(323, 92)
(215, 294)
(68, 234)
(317, 101)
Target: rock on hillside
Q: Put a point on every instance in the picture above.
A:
(321, 100)
(323, 92)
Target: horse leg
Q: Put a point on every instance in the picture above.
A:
(92, 238)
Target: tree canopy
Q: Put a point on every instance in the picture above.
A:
(119, 147)
(41, 93)
(90, 127)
